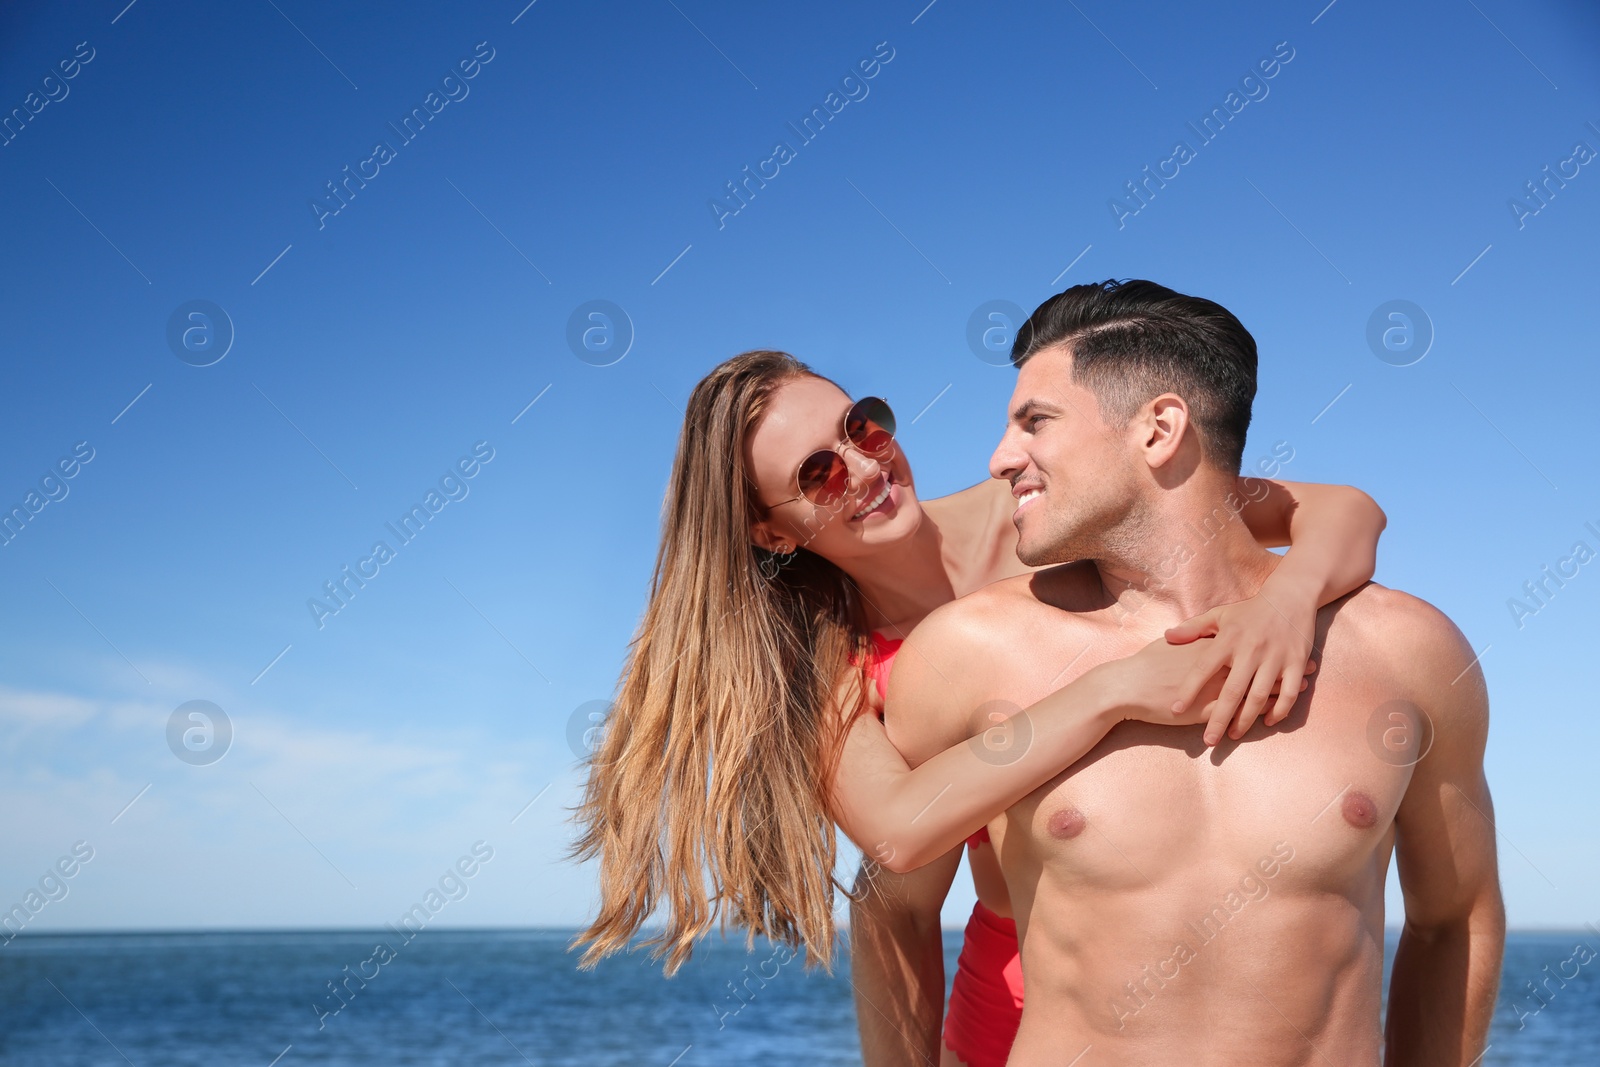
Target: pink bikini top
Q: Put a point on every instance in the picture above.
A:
(879, 661)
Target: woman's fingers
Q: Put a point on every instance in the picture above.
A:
(1204, 625)
(1221, 715)
(1294, 683)
(1287, 695)
(1233, 691)
(1260, 692)
(1202, 673)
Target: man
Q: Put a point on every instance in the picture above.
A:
(1176, 902)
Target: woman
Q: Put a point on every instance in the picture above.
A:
(793, 557)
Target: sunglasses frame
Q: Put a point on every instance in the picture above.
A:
(844, 441)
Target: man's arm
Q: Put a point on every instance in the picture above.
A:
(897, 961)
(1447, 968)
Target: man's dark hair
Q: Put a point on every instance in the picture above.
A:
(1133, 340)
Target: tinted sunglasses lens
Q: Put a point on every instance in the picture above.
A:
(822, 477)
(870, 426)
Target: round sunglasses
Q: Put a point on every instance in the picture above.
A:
(823, 476)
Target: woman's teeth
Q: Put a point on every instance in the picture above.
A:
(874, 502)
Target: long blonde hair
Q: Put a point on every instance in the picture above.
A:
(707, 795)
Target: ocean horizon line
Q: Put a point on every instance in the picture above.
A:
(541, 928)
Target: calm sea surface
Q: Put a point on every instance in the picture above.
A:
(514, 997)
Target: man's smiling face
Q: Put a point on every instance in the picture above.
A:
(1073, 475)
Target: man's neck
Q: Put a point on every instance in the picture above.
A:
(1192, 553)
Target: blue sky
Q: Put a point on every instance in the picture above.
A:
(375, 347)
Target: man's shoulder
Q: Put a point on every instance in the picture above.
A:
(993, 617)
(1377, 609)
(949, 662)
(1384, 626)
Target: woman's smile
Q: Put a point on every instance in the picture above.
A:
(880, 503)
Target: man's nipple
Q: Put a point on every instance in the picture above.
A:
(1066, 824)
(1359, 810)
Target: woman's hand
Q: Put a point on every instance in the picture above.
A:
(1157, 685)
(1264, 651)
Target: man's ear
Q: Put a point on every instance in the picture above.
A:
(1163, 424)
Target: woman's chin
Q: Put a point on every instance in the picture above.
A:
(895, 525)
(872, 536)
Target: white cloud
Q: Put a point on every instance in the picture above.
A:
(30, 708)
(268, 834)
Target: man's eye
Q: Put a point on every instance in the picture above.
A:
(1033, 421)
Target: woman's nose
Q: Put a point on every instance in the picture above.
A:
(862, 467)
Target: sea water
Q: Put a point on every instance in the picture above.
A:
(516, 997)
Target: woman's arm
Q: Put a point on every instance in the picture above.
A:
(903, 818)
(1266, 641)
(1332, 531)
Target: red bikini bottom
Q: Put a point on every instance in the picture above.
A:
(986, 996)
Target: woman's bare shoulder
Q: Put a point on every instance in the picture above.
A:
(977, 526)
(975, 504)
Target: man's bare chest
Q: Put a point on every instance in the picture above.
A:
(1152, 802)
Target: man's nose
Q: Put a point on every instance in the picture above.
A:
(1007, 459)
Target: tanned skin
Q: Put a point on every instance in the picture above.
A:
(908, 557)
(1183, 903)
